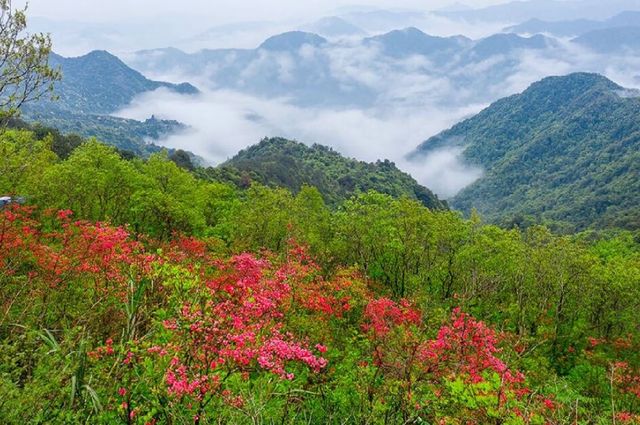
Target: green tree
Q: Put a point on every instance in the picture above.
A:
(23, 161)
(264, 220)
(95, 183)
(25, 74)
(170, 199)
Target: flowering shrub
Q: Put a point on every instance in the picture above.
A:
(234, 324)
(457, 374)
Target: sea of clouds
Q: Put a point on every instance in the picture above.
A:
(413, 99)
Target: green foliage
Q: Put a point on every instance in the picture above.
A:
(292, 165)
(23, 161)
(94, 181)
(25, 74)
(566, 152)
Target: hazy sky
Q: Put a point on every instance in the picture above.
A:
(215, 10)
(121, 26)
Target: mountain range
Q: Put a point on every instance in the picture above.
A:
(310, 70)
(565, 151)
(398, 67)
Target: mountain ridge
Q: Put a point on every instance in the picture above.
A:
(286, 163)
(565, 150)
(575, 27)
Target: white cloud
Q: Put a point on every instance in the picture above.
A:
(444, 172)
(223, 122)
(414, 100)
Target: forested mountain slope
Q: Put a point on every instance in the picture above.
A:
(566, 150)
(285, 163)
(100, 83)
(94, 86)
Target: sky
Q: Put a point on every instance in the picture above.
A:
(216, 11)
(124, 26)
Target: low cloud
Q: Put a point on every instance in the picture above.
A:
(224, 122)
(411, 100)
(445, 171)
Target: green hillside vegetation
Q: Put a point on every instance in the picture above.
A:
(278, 162)
(65, 142)
(124, 134)
(564, 152)
(294, 286)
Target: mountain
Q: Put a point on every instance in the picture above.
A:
(334, 27)
(293, 40)
(611, 40)
(550, 10)
(500, 44)
(412, 41)
(575, 27)
(566, 151)
(100, 83)
(286, 163)
(94, 86)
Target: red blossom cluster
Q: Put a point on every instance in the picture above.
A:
(383, 314)
(464, 349)
(237, 326)
(71, 249)
(627, 418)
(467, 347)
(626, 378)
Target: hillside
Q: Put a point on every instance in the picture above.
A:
(412, 41)
(285, 163)
(123, 279)
(293, 40)
(567, 150)
(94, 86)
(100, 83)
